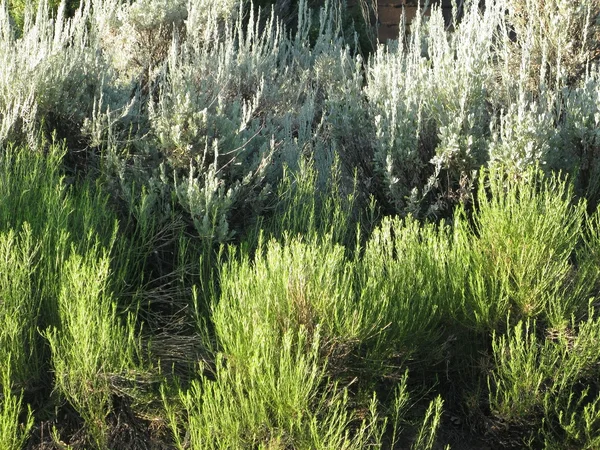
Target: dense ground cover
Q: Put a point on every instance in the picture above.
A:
(219, 232)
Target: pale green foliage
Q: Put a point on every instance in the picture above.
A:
(272, 384)
(524, 137)
(226, 101)
(541, 387)
(48, 290)
(544, 76)
(425, 439)
(207, 203)
(136, 36)
(13, 434)
(526, 233)
(230, 89)
(272, 400)
(19, 358)
(91, 350)
(203, 120)
(19, 306)
(446, 103)
(580, 140)
(400, 262)
(554, 41)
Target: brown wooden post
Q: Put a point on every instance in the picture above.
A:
(390, 12)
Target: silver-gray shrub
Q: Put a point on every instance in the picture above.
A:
(200, 104)
(231, 103)
(428, 95)
(50, 75)
(497, 88)
(580, 137)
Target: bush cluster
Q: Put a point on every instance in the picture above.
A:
(236, 225)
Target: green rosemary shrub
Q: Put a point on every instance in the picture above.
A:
(544, 389)
(93, 352)
(280, 382)
(13, 433)
(525, 233)
(61, 309)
